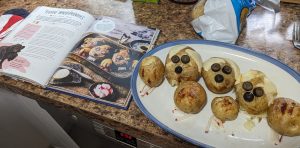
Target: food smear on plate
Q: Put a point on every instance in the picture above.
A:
(213, 121)
(103, 90)
(146, 90)
(179, 115)
(183, 63)
(275, 138)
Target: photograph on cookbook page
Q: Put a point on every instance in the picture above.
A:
(100, 66)
(98, 69)
(137, 37)
(38, 45)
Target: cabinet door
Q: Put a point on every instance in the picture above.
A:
(25, 124)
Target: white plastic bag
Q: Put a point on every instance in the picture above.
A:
(222, 19)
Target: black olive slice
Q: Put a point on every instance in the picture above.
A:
(247, 86)
(258, 91)
(215, 67)
(248, 96)
(178, 69)
(219, 78)
(175, 59)
(227, 69)
(185, 59)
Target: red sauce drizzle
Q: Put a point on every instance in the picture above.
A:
(283, 107)
(290, 111)
(173, 110)
(143, 72)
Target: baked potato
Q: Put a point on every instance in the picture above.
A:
(152, 71)
(254, 92)
(283, 116)
(190, 97)
(198, 9)
(183, 64)
(220, 74)
(225, 108)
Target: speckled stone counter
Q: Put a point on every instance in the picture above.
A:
(174, 22)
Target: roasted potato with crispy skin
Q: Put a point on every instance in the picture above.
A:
(183, 63)
(152, 71)
(254, 91)
(220, 74)
(225, 108)
(283, 116)
(190, 97)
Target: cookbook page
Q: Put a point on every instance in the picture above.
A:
(39, 44)
(137, 37)
(98, 69)
(100, 65)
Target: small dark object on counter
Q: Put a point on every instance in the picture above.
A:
(184, 1)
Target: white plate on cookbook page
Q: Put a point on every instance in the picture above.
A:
(159, 107)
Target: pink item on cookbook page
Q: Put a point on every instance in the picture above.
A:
(19, 63)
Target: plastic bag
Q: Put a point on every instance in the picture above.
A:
(222, 20)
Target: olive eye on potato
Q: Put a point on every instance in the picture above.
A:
(248, 96)
(258, 92)
(185, 59)
(226, 69)
(247, 86)
(219, 78)
(215, 67)
(175, 59)
(178, 69)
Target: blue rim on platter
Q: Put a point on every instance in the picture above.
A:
(136, 98)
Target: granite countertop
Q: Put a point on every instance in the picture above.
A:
(174, 22)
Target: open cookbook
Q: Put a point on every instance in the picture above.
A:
(73, 52)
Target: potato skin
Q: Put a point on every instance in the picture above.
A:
(190, 72)
(229, 79)
(218, 88)
(225, 108)
(190, 97)
(152, 71)
(259, 105)
(283, 116)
